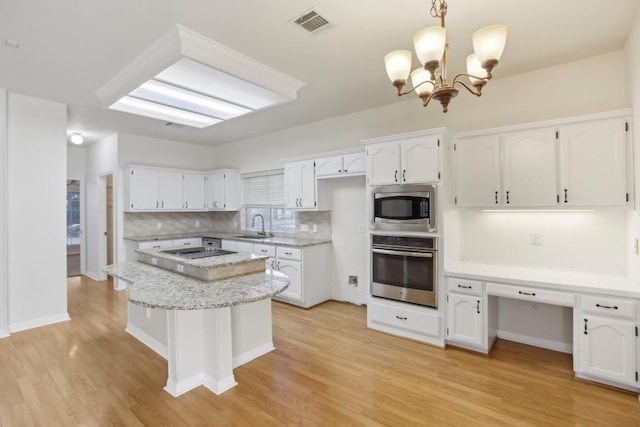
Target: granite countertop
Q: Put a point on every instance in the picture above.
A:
(156, 288)
(293, 241)
(568, 280)
(206, 263)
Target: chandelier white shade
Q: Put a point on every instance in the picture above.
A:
(430, 44)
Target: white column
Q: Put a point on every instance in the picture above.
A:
(4, 294)
(199, 350)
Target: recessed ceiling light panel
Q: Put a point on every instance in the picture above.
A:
(204, 83)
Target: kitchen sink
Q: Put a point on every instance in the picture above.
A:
(251, 236)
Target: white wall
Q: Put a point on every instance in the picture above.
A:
(588, 241)
(37, 172)
(102, 160)
(76, 162)
(632, 50)
(4, 280)
(134, 149)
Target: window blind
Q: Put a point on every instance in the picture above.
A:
(263, 188)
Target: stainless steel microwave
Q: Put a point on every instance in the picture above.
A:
(404, 208)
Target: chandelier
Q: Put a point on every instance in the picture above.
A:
(431, 48)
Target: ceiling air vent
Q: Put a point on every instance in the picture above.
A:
(312, 22)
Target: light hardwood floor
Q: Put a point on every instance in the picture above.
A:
(328, 369)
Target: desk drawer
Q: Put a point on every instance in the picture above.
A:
(405, 319)
(531, 294)
(464, 286)
(610, 306)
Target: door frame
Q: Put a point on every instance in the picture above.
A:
(102, 224)
(83, 222)
(4, 218)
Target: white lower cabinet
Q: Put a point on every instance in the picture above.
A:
(293, 269)
(156, 244)
(405, 320)
(606, 334)
(465, 323)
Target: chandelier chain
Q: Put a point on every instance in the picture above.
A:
(435, 10)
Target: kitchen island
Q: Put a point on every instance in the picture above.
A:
(211, 326)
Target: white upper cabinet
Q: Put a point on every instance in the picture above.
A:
(300, 184)
(477, 171)
(194, 192)
(223, 190)
(530, 168)
(409, 160)
(593, 163)
(171, 191)
(341, 165)
(144, 189)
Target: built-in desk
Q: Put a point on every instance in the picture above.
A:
(604, 316)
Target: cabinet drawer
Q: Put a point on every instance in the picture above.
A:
(155, 244)
(264, 250)
(464, 286)
(188, 242)
(610, 306)
(405, 319)
(531, 294)
(289, 253)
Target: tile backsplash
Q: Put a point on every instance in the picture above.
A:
(146, 223)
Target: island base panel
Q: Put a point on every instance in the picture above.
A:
(199, 347)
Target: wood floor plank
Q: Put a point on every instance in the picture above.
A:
(327, 369)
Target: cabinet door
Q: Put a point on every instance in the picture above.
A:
(329, 166)
(530, 168)
(144, 189)
(293, 270)
(244, 247)
(171, 191)
(229, 245)
(307, 184)
(231, 190)
(292, 185)
(477, 171)
(608, 348)
(464, 319)
(215, 191)
(593, 163)
(383, 163)
(354, 164)
(419, 160)
(194, 192)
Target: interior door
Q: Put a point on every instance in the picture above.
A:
(74, 232)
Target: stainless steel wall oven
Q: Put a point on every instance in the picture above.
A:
(404, 268)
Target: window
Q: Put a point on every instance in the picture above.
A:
(263, 194)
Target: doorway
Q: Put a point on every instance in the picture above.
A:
(74, 229)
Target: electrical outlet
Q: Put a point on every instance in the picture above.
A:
(353, 280)
(180, 268)
(304, 227)
(154, 261)
(360, 228)
(535, 239)
(159, 225)
(314, 228)
(148, 313)
(197, 223)
(635, 246)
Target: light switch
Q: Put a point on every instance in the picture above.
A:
(304, 227)
(535, 238)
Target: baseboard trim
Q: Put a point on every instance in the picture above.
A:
(92, 276)
(536, 342)
(147, 340)
(4, 333)
(248, 356)
(39, 322)
(176, 389)
(219, 386)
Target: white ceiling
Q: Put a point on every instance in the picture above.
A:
(70, 48)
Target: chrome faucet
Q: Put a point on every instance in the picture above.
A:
(253, 221)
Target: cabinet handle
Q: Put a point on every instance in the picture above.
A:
(464, 287)
(507, 197)
(263, 250)
(186, 205)
(162, 204)
(340, 171)
(157, 247)
(278, 266)
(614, 307)
(585, 327)
(532, 294)
(157, 204)
(288, 253)
(395, 176)
(565, 195)
(404, 173)
(478, 306)
(496, 197)
(400, 317)
(345, 171)
(273, 262)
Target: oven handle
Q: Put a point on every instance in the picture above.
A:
(414, 254)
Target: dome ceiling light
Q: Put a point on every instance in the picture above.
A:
(431, 48)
